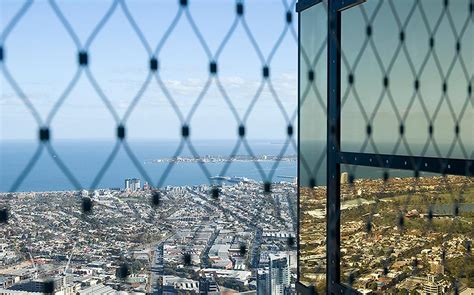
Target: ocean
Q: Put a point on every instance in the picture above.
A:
(85, 158)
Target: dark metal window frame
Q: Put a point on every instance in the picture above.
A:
(336, 157)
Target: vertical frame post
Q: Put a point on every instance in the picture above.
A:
(298, 176)
(333, 203)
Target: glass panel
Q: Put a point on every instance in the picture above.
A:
(405, 234)
(407, 89)
(312, 161)
(406, 74)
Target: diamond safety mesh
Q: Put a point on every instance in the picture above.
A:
(270, 89)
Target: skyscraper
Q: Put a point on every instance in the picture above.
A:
(263, 282)
(279, 273)
(127, 184)
(135, 182)
(132, 184)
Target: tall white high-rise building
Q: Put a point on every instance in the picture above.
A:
(279, 273)
(132, 184)
(127, 184)
(136, 184)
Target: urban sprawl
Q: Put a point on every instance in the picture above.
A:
(182, 240)
(399, 236)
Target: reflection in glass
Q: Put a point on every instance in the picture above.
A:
(312, 161)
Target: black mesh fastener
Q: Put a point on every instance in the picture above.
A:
(3, 215)
(123, 271)
(215, 192)
(187, 259)
(402, 129)
(416, 173)
(369, 130)
(310, 75)
(242, 249)
(368, 226)
(185, 131)
(86, 205)
(266, 72)
(351, 178)
(239, 9)
(183, 2)
(44, 134)
(213, 67)
(48, 287)
(350, 79)
(430, 214)
(121, 132)
(401, 221)
(385, 176)
(153, 64)
(83, 58)
(289, 17)
(241, 130)
(289, 130)
(1, 53)
(267, 187)
(290, 242)
(155, 199)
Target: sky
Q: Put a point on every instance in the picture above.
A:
(42, 58)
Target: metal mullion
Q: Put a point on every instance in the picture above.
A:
(333, 202)
(298, 178)
(450, 166)
(305, 4)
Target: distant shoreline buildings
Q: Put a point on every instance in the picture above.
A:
(132, 184)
